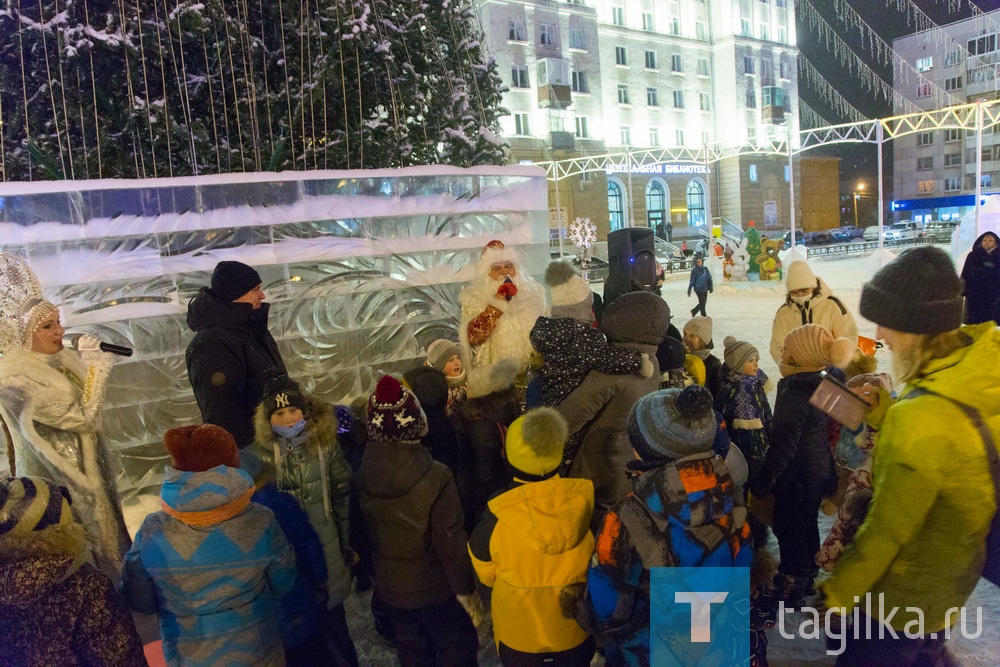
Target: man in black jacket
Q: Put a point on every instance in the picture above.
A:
(232, 350)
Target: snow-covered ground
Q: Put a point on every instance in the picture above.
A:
(743, 310)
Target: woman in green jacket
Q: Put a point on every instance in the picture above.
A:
(921, 549)
(296, 436)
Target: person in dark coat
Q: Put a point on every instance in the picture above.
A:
(55, 607)
(490, 406)
(232, 351)
(981, 275)
(701, 283)
(423, 573)
(430, 386)
(799, 468)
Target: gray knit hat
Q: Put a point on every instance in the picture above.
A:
(918, 292)
(569, 293)
(737, 353)
(701, 327)
(440, 351)
(672, 423)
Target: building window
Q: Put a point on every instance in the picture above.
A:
(616, 205)
(647, 21)
(753, 173)
(576, 39)
(924, 89)
(651, 97)
(954, 58)
(952, 184)
(987, 154)
(696, 203)
(986, 181)
(582, 131)
(618, 15)
(586, 177)
(679, 137)
(952, 135)
(752, 135)
(579, 82)
(779, 3)
(622, 94)
(783, 69)
(982, 45)
(521, 124)
(547, 35)
(675, 26)
(656, 208)
(519, 77)
(748, 65)
(772, 96)
(745, 28)
(678, 99)
(700, 32)
(751, 98)
(925, 187)
(702, 66)
(654, 137)
(515, 30)
(925, 163)
(925, 64)
(782, 35)
(621, 55)
(650, 59)
(676, 63)
(764, 32)
(788, 173)
(953, 160)
(953, 83)
(704, 102)
(925, 138)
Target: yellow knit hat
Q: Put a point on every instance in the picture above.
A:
(535, 443)
(30, 505)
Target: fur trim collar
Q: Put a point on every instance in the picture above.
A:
(321, 425)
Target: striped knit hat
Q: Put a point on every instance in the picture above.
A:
(29, 505)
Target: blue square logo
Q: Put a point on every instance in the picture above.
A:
(699, 616)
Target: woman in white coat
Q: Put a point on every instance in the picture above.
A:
(51, 399)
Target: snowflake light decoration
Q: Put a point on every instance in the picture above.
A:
(583, 234)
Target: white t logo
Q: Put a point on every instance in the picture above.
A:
(701, 611)
(281, 400)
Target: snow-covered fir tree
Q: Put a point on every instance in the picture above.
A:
(143, 88)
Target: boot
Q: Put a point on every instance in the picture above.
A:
(794, 590)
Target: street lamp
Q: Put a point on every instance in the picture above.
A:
(857, 196)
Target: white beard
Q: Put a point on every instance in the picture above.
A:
(510, 337)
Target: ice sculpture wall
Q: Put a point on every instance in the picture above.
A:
(363, 270)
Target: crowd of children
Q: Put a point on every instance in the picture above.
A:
(442, 478)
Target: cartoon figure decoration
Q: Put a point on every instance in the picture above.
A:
(753, 247)
(727, 262)
(741, 262)
(583, 234)
(768, 260)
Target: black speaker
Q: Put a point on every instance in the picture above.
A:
(631, 262)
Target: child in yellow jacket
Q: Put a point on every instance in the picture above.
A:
(533, 541)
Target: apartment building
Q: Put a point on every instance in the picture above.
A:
(598, 77)
(934, 173)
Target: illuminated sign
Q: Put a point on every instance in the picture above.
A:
(662, 168)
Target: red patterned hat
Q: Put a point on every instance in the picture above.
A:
(394, 413)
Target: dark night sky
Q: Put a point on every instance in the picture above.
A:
(859, 162)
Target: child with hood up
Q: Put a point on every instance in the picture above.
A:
(296, 435)
(532, 542)
(686, 511)
(211, 563)
(57, 608)
(569, 343)
(742, 401)
(446, 356)
(799, 467)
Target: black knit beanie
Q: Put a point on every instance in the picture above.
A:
(281, 391)
(231, 280)
(918, 292)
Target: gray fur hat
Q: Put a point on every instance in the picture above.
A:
(569, 293)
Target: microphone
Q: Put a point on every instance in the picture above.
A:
(120, 350)
(111, 348)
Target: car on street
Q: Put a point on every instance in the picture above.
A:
(847, 233)
(906, 230)
(940, 231)
(819, 238)
(871, 233)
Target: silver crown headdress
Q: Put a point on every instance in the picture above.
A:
(22, 303)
